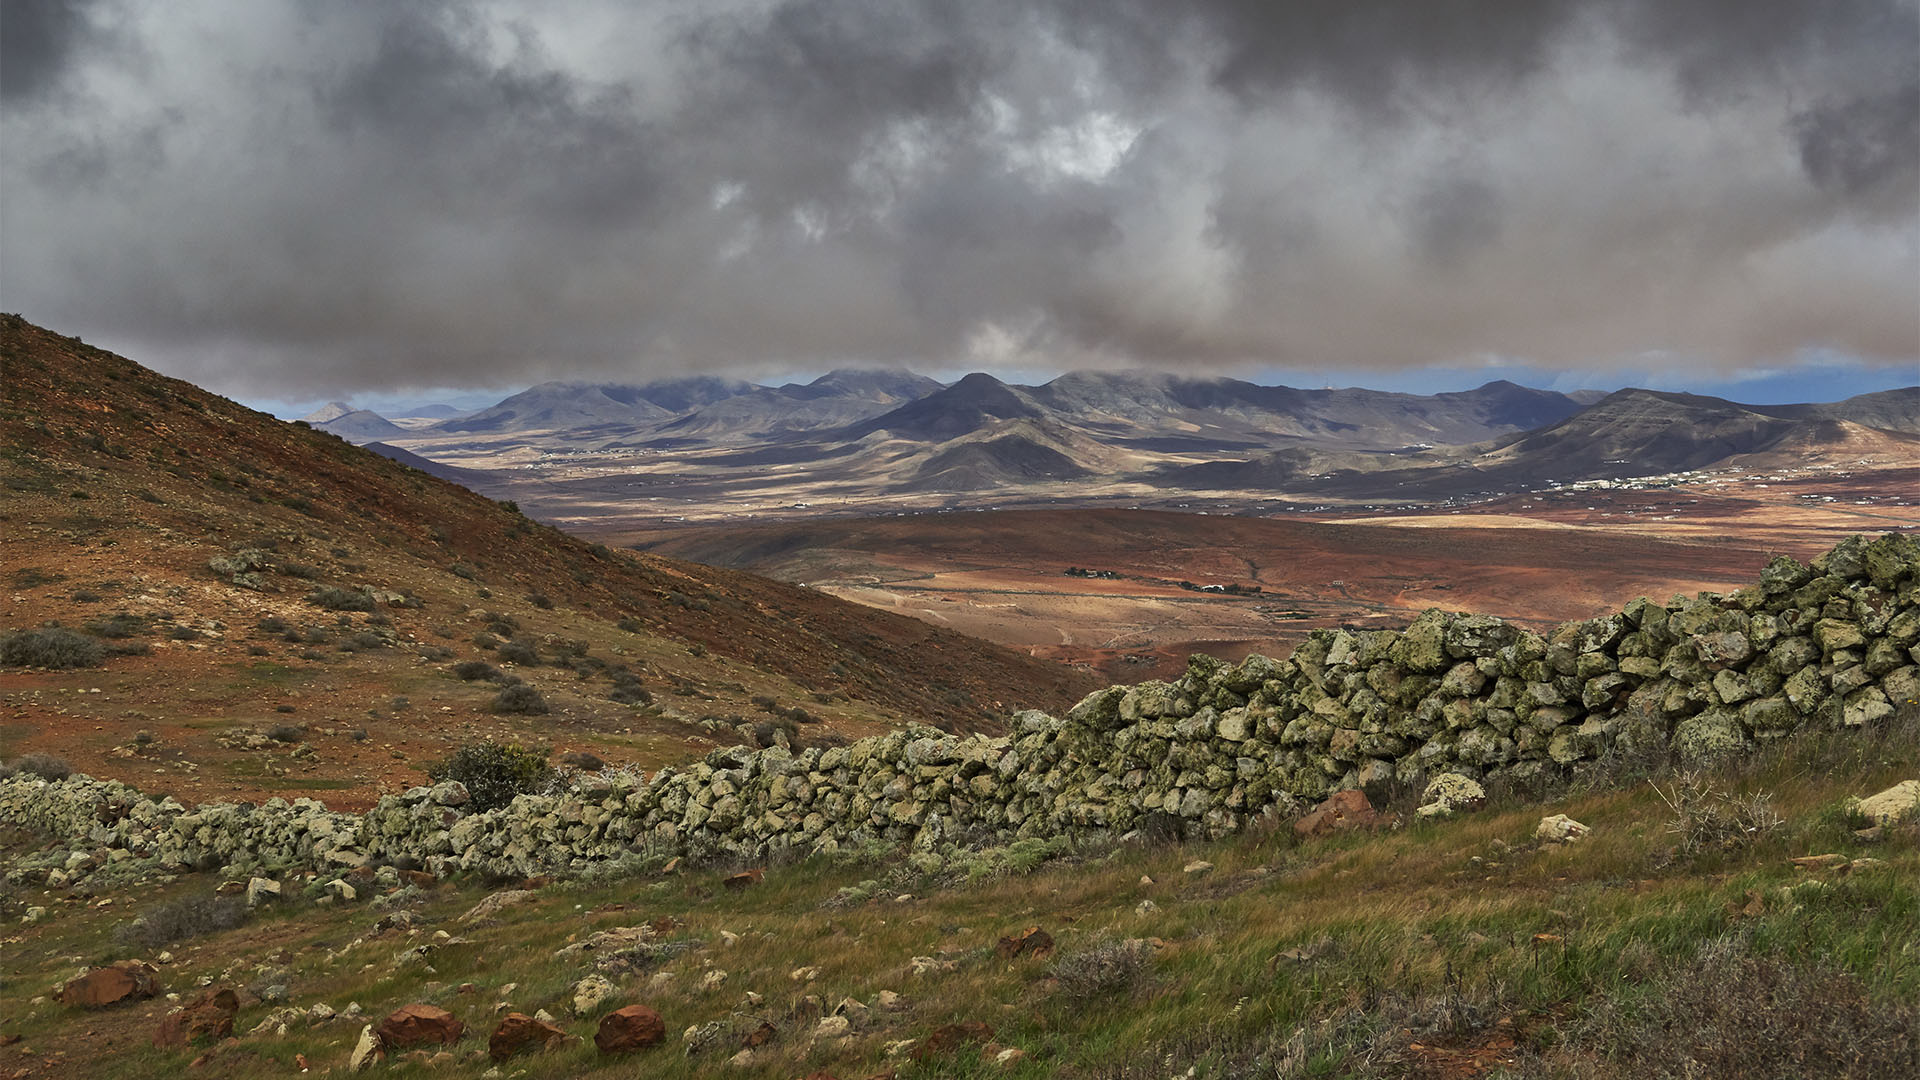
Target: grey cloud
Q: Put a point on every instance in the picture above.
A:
(299, 196)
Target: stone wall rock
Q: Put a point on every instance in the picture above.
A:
(1832, 645)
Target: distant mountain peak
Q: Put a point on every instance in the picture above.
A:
(332, 410)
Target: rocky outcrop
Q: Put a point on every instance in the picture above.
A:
(1828, 646)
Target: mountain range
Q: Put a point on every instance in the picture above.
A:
(893, 435)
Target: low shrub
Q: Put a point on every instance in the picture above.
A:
(1735, 1011)
(519, 652)
(475, 670)
(1102, 969)
(1709, 818)
(183, 919)
(44, 766)
(334, 598)
(120, 624)
(286, 733)
(522, 699)
(50, 647)
(493, 772)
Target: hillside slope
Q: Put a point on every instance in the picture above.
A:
(122, 485)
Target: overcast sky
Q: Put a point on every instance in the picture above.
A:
(311, 198)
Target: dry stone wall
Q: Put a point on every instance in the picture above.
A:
(1831, 645)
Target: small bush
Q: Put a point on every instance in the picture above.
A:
(50, 647)
(628, 691)
(632, 625)
(493, 773)
(44, 766)
(334, 598)
(300, 570)
(1706, 818)
(475, 670)
(183, 919)
(519, 652)
(1736, 1012)
(272, 624)
(1102, 969)
(540, 600)
(520, 698)
(286, 733)
(362, 641)
(120, 624)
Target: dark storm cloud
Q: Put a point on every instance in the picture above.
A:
(1865, 145)
(38, 40)
(300, 196)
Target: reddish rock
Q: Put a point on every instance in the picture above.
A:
(210, 1015)
(634, 1027)
(518, 1031)
(760, 1036)
(1344, 810)
(1032, 941)
(743, 879)
(127, 980)
(418, 1024)
(951, 1037)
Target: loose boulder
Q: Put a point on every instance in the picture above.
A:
(209, 1015)
(366, 1052)
(634, 1027)
(1342, 811)
(1451, 793)
(1032, 941)
(126, 980)
(950, 1037)
(417, 1025)
(590, 993)
(518, 1032)
(1559, 829)
(1894, 805)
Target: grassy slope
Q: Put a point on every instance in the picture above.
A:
(1416, 952)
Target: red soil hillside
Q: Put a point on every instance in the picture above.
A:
(121, 485)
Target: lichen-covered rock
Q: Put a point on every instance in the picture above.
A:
(1892, 806)
(1708, 737)
(1559, 829)
(1449, 794)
